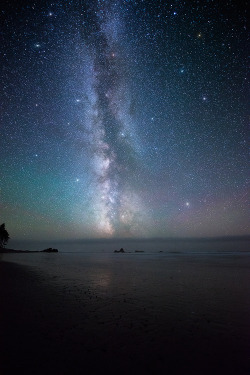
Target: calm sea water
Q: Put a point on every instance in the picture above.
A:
(130, 245)
(213, 280)
(186, 302)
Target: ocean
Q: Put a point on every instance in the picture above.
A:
(154, 311)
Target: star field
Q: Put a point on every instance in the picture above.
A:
(124, 119)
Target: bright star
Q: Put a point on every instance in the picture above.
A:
(187, 204)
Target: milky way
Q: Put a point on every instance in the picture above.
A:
(110, 125)
(124, 119)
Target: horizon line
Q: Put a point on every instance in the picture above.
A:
(138, 239)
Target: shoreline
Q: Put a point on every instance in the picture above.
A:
(53, 328)
(10, 251)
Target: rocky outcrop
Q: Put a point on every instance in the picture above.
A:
(120, 251)
(49, 250)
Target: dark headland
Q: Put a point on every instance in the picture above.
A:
(9, 251)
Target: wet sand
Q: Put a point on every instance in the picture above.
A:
(50, 328)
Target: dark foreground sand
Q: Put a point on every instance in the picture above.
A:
(46, 331)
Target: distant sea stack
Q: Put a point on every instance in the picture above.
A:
(120, 251)
(49, 250)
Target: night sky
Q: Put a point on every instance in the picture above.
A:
(123, 119)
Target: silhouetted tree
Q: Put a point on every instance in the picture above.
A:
(4, 235)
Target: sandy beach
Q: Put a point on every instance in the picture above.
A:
(134, 318)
